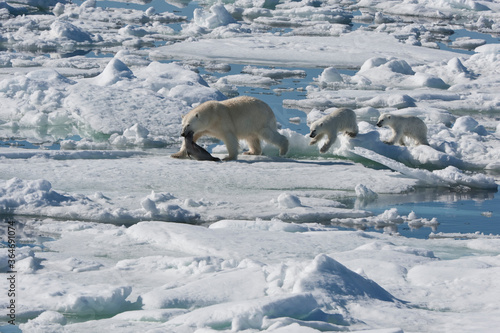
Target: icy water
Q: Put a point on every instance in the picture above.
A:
(456, 213)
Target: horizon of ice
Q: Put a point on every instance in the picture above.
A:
(98, 249)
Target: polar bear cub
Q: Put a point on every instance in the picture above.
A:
(240, 118)
(340, 120)
(402, 126)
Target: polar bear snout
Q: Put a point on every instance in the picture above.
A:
(313, 134)
(187, 130)
(187, 133)
(380, 123)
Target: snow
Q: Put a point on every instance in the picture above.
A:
(217, 17)
(112, 234)
(331, 280)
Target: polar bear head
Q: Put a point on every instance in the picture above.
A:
(316, 128)
(384, 120)
(197, 120)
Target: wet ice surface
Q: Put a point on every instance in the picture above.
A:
(92, 96)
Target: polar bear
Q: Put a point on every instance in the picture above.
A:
(340, 120)
(240, 118)
(402, 126)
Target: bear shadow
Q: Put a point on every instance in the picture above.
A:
(251, 159)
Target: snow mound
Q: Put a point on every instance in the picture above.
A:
(334, 282)
(286, 200)
(17, 193)
(364, 192)
(115, 71)
(63, 29)
(100, 302)
(162, 206)
(465, 124)
(218, 16)
(329, 75)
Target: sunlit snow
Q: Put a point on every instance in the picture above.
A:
(114, 235)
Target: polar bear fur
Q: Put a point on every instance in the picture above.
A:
(404, 126)
(240, 118)
(340, 120)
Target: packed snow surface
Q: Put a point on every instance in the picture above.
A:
(114, 235)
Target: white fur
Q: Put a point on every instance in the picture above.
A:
(340, 120)
(402, 126)
(240, 118)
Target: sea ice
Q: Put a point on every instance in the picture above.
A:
(114, 235)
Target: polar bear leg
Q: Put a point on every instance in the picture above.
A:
(182, 153)
(231, 142)
(254, 145)
(272, 136)
(421, 137)
(331, 139)
(352, 132)
(396, 137)
(423, 141)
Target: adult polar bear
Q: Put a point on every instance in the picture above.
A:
(402, 126)
(240, 118)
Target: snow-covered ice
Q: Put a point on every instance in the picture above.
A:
(252, 275)
(112, 234)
